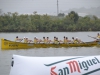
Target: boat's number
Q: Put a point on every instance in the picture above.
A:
(14, 45)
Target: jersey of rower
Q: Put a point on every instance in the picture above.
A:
(64, 39)
(98, 35)
(54, 39)
(24, 39)
(35, 40)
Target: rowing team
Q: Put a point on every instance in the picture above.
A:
(46, 40)
(56, 40)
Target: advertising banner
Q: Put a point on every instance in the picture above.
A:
(65, 65)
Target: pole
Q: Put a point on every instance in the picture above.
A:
(57, 8)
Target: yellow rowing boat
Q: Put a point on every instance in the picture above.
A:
(7, 44)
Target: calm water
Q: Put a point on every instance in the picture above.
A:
(6, 55)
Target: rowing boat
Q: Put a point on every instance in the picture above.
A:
(7, 44)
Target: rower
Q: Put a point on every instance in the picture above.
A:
(64, 39)
(30, 41)
(98, 37)
(27, 40)
(73, 40)
(48, 41)
(35, 40)
(17, 39)
(38, 40)
(44, 40)
(78, 40)
(54, 39)
(24, 39)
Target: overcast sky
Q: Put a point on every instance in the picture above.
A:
(44, 6)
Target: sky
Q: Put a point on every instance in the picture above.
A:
(45, 6)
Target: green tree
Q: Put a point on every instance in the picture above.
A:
(73, 16)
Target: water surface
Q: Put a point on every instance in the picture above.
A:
(6, 55)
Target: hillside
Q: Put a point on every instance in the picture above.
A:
(90, 11)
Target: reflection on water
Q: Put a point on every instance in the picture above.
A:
(6, 55)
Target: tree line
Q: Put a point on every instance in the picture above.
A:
(13, 22)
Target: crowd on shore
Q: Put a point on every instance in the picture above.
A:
(56, 40)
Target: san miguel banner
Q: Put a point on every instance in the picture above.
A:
(71, 65)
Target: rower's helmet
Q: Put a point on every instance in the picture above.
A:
(76, 37)
(72, 37)
(54, 37)
(16, 36)
(47, 37)
(24, 37)
(66, 37)
(43, 37)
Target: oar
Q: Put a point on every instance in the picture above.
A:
(92, 37)
(20, 40)
(30, 41)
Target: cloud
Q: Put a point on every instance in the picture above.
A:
(44, 6)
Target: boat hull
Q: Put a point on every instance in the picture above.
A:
(6, 44)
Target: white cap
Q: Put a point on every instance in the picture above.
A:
(24, 37)
(76, 37)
